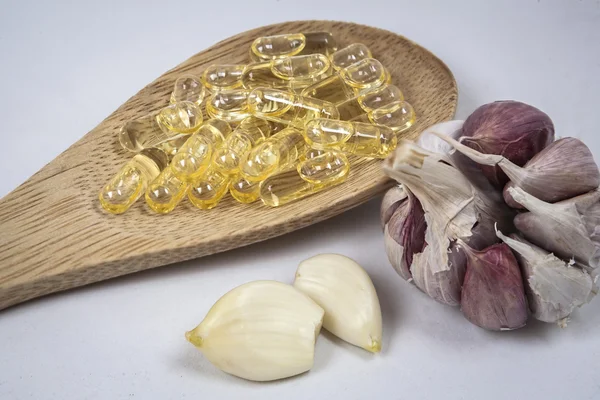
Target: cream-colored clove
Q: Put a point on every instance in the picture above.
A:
(345, 291)
(554, 287)
(569, 229)
(261, 331)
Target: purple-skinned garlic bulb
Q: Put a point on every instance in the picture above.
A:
(493, 296)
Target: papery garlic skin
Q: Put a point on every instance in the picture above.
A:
(493, 296)
(554, 287)
(390, 202)
(433, 143)
(569, 229)
(261, 331)
(345, 291)
(404, 234)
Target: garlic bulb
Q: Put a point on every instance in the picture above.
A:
(554, 288)
(390, 202)
(345, 291)
(261, 331)
(569, 229)
(404, 234)
(493, 296)
(549, 174)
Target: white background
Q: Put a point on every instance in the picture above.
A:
(65, 66)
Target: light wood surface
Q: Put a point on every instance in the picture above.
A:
(54, 235)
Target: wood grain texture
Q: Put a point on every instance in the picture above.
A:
(54, 235)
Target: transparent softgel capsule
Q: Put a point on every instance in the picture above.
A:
(349, 55)
(126, 187)
(208, 190)
(287, 108)
(220, 77)
(165, 192)
(368, 101)
(278, 46)
(183, 118)
(349, 82)
(398, 116)
(188, 88)
(194, 157)
(358, 138)
(295, 72)
(243, 190)
(228, 105)
(312, 175)
(251, 132)
(278, 152)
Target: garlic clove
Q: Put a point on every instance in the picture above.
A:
(404, 235)
(493, 296)
(554, 287)
(390, 202)
(345, 291)
(261, 331)
(569, 229)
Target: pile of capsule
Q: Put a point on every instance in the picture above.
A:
(277, 129)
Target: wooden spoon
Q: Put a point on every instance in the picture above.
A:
(54, 235)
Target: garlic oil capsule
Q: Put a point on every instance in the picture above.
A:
(358, 138)
(291, 44)
(171, 122)
(223, 77)
(348, 82)
(295, 72)
(371, 99)
(243, 190)
(251, 132)
(208, 190)
(194, 157)
(398, 116)
(188, 88)
(278, 152)
(126, 187)
(349, 55)
(228, 105)
(288, 108)
(165, 192)
(324, 170)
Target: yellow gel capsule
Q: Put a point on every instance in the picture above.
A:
(243, 190)
(349, 55)
(319, 43)
(208, 190)
(358, 138)
(277, 46)
(165, 192)
(398, 116)
(188, 88)
(295, 72)
(380, 97)
(250, 133)
(278, 152)
(126, 187)
(287, 108)
(171, 122)
(192, 160)
(223, 77)
(349, 82)
(172, 146)
(323, 171)
(228, 105)
(330, 166)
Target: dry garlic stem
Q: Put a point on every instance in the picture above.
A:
(569, 229)
(493, 296)
(345, 291)
(261, 331)
(554, 288)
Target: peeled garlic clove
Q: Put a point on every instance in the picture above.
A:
(261, 331)
(569, 229)
(404, 235)
(554, 288)
(390, 202)
(345, 291)
(493, 296)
